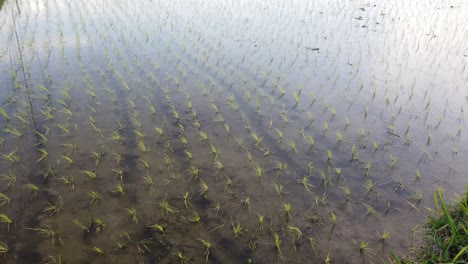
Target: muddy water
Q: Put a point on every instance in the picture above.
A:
(337, 119)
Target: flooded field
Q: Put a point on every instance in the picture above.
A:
(227, 131)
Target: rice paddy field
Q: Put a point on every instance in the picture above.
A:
(227, 131)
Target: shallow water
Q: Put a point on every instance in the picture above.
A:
(102, 94)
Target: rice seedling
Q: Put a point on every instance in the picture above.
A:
(54, 209)
(4, 200)
(157, 228)
(257, 139)
(183, 259)
(363, 248)
(4, 249)
(376, 146)
(278, 188)
(325, 128)
(236, 228)
(278, 245)
(68, 180)
(97, 251)
(67, 159)
(194, 172)
(339, 136)
(292, 146)
(246, 202)
(90, 174)
(367, 168)
(306, 183)
(142, 147)
(133, 214)
(49, 232)
(371, 211)
(119, 189)
(204, 136)
(11, 157)
(166, 208)
(5, 219)
(94, 197)
(347, 193)
(369, 186)
(383, 239)
(296, 233)
(207, 245)
(286, 208)
(10, 178)
(30, 186)
(393, 162)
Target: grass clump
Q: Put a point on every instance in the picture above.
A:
(445, 239)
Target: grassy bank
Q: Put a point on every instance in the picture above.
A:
(445, 238)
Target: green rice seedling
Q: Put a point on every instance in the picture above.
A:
(13, 131)
(417, 175)
(279, 188)
(11, 157)
(369, 186)
(142, 147)
(382, 239)
(97, 251)
(278, 244)
(257, 139)
(4, 249)
(286, 208)
(185, 196)
(236, 228)
(311, 119)
(119, 173)
(157, 228)
(367, 168)
(65, 129)
(49, 232)
(416, 197)
(94, 197)
(339, 136)
(72, 148)
(353, 153)
(167, 160)
(305, 182)
(207, 245)
(399, 185)
(54, 209)
(261, 220)
(148, 180)
(43, 137)
(226, 127)
(10, 178)
(325, 128)
(4, 200)
(214, 151)
(204, 188)
(292, 146)
(166, 208)
(68, 180)
(188, 154)
(44, 154)
(258, 171)
(32, 187)
(246, 202)
(5, 219)
(376, 146)
(90, 174)
(117, 137)
(363, 248)
(194, 172)
(204, 136)
(4, 114)
(347, 123)
(296, 233)
(339, 172)
(133, 214)
(347, 193)
(393, 162)
(280, 135)
(228, 184)
(371, 211)
(97, 156)
(67, 159)
(183, 259)
(119, 189)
